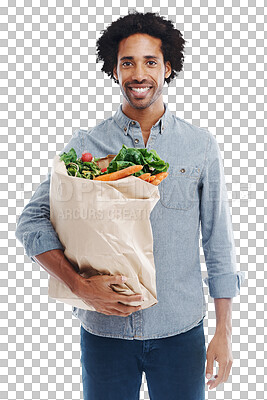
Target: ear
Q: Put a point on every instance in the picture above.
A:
(115, 72)
(168, 69)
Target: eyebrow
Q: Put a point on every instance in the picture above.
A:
(131, 58)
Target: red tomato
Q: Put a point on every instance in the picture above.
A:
(87, 157)
(103, 169)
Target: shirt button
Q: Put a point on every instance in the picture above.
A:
(136, 141)
(182, 170)
(125, 129)
(133, 122)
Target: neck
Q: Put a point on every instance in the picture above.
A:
(146, 117)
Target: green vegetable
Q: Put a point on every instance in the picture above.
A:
(128, 156)
(76, 167)
(71, 156)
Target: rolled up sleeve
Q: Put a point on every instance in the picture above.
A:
(216, 227)
(34, 229)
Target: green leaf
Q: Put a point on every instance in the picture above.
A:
(126, 157)
(71, 156)
(131, 156)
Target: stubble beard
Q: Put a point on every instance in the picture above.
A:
(140, 104)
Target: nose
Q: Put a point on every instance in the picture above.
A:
(139, 72)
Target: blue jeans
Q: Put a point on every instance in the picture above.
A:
(174, 366)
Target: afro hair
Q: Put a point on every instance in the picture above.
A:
(150, 23)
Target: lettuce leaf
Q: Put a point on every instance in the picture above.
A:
(131, 156)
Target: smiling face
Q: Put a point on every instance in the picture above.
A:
(141, 70)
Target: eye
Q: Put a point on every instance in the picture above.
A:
(128, 62)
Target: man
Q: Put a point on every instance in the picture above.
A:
(166, 341)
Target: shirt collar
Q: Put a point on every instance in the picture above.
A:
(124, 122)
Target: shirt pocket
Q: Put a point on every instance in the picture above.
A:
(179, 189)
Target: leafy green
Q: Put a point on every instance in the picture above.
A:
(131, 156)
(76, 167)
(71, 156)
(126, 157)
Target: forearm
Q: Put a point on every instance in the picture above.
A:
(223, 309)
(57, 265)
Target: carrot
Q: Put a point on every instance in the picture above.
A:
(122, 173)
(144, 176)
(155, 182)
(147, 179)
(151, 178)
(162, 175)
(159, 178)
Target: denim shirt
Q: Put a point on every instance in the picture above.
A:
(193, 195)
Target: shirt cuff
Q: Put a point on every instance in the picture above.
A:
(225, 286)
(39, 242)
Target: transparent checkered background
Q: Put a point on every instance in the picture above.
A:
(52, 85)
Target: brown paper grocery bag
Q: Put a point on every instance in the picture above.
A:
(105, 229)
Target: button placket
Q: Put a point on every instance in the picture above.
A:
(136, 132)
(150, 141)
(152, 138)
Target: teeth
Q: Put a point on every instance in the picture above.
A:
(140, 90)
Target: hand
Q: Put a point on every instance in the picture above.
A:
(96, 291)
(219, 349)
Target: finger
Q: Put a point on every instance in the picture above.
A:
(222, 372)
(211, 381)
(209, 367)
(126, 309)
(220, 376)
(130, 298)
(103, 312)
(110, 311)
(117, 311)
(227, 372)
